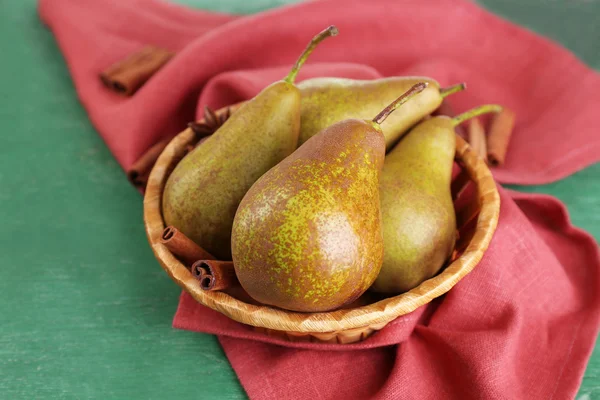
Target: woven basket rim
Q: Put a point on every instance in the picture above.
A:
(377, 313)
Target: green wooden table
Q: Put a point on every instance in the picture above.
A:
(86, 311)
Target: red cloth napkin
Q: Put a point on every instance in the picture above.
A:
(232, 58)
(524, 322)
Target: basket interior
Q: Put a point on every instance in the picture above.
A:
(477, 206)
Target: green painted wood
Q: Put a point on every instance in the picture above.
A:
(86, 312)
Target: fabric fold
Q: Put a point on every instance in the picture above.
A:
(524, 322)
(525, 318)
(506, 64)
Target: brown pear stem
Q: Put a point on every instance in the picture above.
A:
(416, 89)
(331, 31)
(475, 112)
(447, 91)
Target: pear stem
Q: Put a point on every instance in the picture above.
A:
(475, 112)
(447, 91)
(331, 31)
(416, 89)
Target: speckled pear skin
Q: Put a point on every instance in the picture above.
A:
(307, 235)
(202, 194)
(418, 217)
(326, 101)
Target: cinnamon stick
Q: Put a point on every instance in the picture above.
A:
(140, 170)
(214, 275)
(477, 138)
(183, 247)
(128, 75)
(501, 129)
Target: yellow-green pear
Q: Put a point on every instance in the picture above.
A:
(307, 235)
(326, 101)
(418, 216)
(202, 194)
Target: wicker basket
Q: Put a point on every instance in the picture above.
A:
(341, 326)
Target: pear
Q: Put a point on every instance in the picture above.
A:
(326, 101)
(307, 235)
(419, 222)
(204, 190)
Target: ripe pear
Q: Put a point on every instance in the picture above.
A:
(419, 221)
(326, 101)
(202, 194)
(307, 235)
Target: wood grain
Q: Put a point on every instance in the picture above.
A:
(342, 326)
(91, 321)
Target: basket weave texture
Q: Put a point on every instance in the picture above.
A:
(340, 326)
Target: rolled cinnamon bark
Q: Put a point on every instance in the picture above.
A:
(501, 129)
(128, 75)
(183, 247)
(140, 170)
(198, 269)
(477, 138)
(201, 272)
(215, 275)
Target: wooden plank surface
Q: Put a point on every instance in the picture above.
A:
(86, 312)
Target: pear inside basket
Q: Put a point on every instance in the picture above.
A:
(476, 205)
(325, 209)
